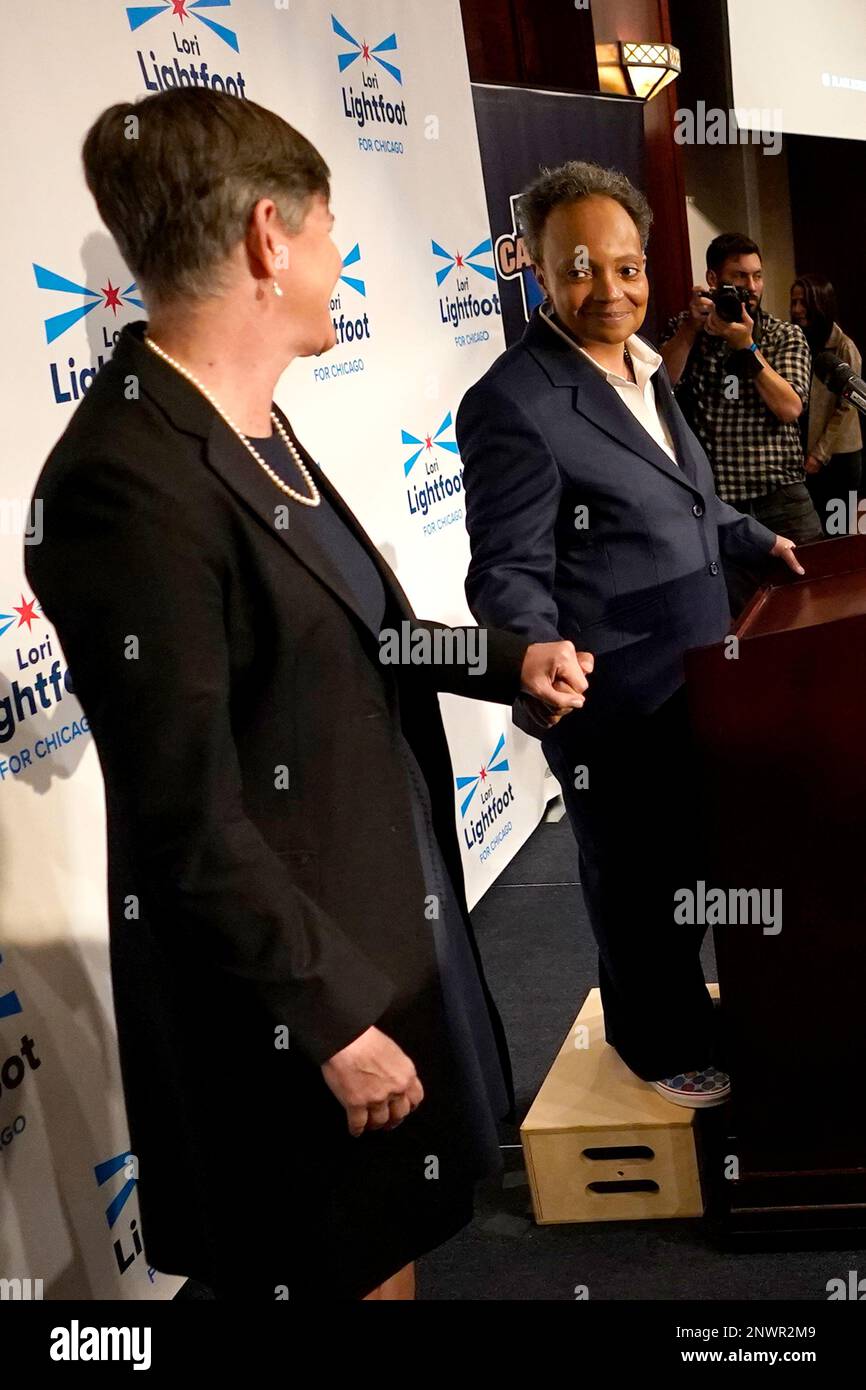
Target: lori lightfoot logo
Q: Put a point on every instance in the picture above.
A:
(513, 262)
(428, 445)
(103, 1172)
(182, 10)
(369, 105)
(15, 1068)
(29, 697)
(369, 53)
(350, 327)
(433, 498)
(493, 799)
(461, 303)
(22, 615)
(497, 762)
(351, 319)
(108, 297)
(469, 261)
(121, 1165)
(9, 1002)
(71, 379)
(353, 258)
(185, 63)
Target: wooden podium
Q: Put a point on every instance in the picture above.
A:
(780, 719)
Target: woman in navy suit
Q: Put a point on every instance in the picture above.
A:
(593, 516)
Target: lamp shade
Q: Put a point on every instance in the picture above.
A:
(637, 69)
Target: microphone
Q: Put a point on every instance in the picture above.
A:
(840, 379)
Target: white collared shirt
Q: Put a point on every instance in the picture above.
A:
(639, 396)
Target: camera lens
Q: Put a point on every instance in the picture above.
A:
(729, 306)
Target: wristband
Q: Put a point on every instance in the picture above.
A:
(745, 361)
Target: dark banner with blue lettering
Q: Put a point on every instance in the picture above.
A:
(520, 131)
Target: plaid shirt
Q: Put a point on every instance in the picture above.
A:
(751, 451)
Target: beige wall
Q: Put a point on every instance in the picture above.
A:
(734, 187)
(740, 189)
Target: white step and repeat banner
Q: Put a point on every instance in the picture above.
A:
(382, 88)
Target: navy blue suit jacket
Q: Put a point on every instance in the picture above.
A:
(543, 434)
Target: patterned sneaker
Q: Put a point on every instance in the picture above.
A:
(695, 1089)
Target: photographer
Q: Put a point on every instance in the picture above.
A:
(742, 378)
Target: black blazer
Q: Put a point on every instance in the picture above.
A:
(210, 649)
(541, 434)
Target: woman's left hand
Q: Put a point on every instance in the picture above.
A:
(784, 550)
(555, 674)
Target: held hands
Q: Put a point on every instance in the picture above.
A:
(813, 465)
(784, 550)
(374, 1081)
(554, 675)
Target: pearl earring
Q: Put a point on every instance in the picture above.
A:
(277, 291)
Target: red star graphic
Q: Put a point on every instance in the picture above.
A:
(458, 261)
(428, 441)
(179, 11)
(365, 52)
(26, 612)
(483, 774)
(112, 296)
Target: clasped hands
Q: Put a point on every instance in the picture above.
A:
(553, 680)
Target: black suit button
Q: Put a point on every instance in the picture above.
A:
(714, 569)
(697, 509)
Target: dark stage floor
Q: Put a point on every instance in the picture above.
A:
(540, 960)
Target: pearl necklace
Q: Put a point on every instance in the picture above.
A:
(315, 496)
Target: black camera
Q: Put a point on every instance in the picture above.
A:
(729, 301)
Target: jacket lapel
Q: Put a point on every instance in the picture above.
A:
(680, 436)
(238, 470)
(228, 457)
(593, 398)
(394, 593)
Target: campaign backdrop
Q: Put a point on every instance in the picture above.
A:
(382, 88)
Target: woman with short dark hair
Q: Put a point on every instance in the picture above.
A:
(834, 458)
(593, 515)
(312, 1063)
